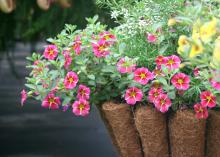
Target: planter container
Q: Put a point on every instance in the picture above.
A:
(119, 122)
(152, 128)
(213, 134)
(187, 135)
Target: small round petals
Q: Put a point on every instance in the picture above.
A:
(51, 102)
(23, 97)
(162, 103)
(154, 93)
(81, 107)
(208, 99)
(125, 65)
(151, 38)
(181, 81)
(108, 37)
(51, 52)
(83, 92)
(172, 62)
(160, 60)
(71, 80)
(158, 72)
(101, 48)
(201, 111)
(143, 75)
(196, 72)
(133, 95)
(215, 84)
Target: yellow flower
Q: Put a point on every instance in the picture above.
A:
(216, 54)
(208, 30)
(171, 22)
(196, 49)
(183, 41)
(195, 31)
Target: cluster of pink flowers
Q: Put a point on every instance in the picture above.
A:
(77, 45)
(125, 65)
(207, 100)
(68, 58)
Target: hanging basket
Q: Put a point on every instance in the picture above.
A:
(187, 135)
(152, 128)
(119, 122)
(213, 134)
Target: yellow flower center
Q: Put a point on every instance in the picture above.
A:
(143, 75)
(71, 80)
(51, 52)
(51, 100)
(133, 94)
(180, 81)
(81, 107)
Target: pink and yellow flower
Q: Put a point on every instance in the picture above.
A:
(101, 48)
(196, 72)
(81, 107)
(143, 75)
(83, 92)
(23, 97)
(201, 111)
(68, 58)
(151, 38)
(71, 80)
(160, 60)
(77, 45)
(133, 95)
(154, 93)
(158, 72)
(51, 101)
(162, 103)
(172, 62)
(125, 65)
(110, 38)
(208, 99)
(51, 52)
(181, 81)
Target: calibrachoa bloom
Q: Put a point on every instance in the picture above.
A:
(71, 80)
(23, 96)
(208, 99)
(83, 92)
(160, 60)
(51, 52)
(143, 75)
(133, 95)
(215, 84)
(162, 103)
(172, 62)
(125, 66)
(100, 48)
(65, 108)
(81, 107)
(154, 93)
(181, 81)
(196, 72)
(110, 38)
(158, 72)
(201, 111)
(77, 45)
(151, 38)
(51, 101)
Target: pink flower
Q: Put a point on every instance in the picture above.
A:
(81, 107)
(133, 95)
(156, 84)
(68, 58)
(51, 52)
(162, 103)
(154, 93)
(151, 38)
(172, 62)
(143, 75)
(160, 60)
(215, 84)
(51, 101)
(77, 45)
(23, 97)
(181, 81)
(201, 111)
(65, 107)
(125, 65)
(100, 48)
(71, 80)
(110, 38)
(208, 99)
(196, 72)
(83, 92)
(39, 67)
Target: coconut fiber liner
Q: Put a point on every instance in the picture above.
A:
(187, 135)
(152, 128)
(119, 122)
(213, 134)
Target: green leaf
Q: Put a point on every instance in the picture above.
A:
(172, 95)
(163, 81)
(31, 86)
(92, 77)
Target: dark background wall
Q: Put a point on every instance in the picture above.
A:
(31, 131)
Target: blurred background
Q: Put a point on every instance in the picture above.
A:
(31, 131)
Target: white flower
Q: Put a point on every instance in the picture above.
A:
(114, 14)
